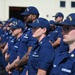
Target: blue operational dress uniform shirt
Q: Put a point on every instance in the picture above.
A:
(13, 47)
(53, 35)
(13, 51)
(6, 36)
(41, 57)
(23, 48)
(3, 62)
(63, 46)
(29, 37)
(64, 63)
(26, 41)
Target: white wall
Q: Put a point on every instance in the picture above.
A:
(67, 10)
(45, 7)
(2, 10)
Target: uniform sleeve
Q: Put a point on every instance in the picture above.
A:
(32, 40)
(46, 58)
(23, 48)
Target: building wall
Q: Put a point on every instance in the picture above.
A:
(47, 8)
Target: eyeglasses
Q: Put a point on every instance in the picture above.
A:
(68, 28)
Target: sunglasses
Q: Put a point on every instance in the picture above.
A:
(68, 28)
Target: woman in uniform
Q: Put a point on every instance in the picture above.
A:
(64, 62)
(42, 54)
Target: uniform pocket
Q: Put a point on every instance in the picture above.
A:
(15, 49)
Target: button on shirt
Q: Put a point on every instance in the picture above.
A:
(64, 63)
(41, 57)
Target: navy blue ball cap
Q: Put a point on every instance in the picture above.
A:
(52, 22)
(30, 10)
(11, 20)
(70, 20)
(18, 24)
(59, 14)
(41, 22)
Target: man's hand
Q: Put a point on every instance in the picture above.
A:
(7, 56)
(23, 61)
(8, 69)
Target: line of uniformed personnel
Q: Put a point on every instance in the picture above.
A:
(37, 46)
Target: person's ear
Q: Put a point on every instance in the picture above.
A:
(44, 30)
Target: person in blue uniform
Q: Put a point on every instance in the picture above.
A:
(6, 31)
(2, 59)
(42, 54)
(64, 62)
(22, 49)
(30, 15)
(6, 37)
(56, 34)
(13, 46)
(58, 17)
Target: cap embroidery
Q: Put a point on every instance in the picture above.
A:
(14, 23)
(27, 9)
(70, 18)
(37, 21)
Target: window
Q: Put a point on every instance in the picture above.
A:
(73, 4)
(62, 3)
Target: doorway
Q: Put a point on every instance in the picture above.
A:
(16, 12)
